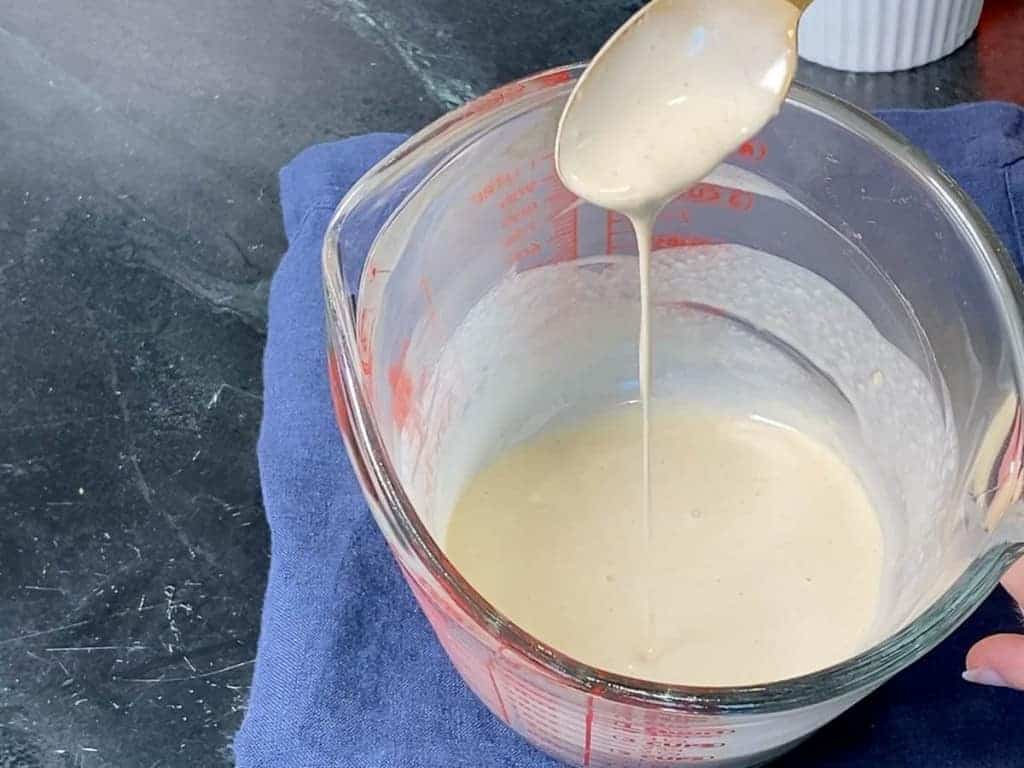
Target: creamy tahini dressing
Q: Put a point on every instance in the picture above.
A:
(766, 563)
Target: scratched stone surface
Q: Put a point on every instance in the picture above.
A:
(139, 226)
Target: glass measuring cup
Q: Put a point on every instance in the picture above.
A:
(422, 242)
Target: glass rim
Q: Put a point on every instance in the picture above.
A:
(404, 527)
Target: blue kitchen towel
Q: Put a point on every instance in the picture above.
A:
(348, 671)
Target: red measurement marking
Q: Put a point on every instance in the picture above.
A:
(519, 193)
(513, 91)
(522, 219)
(493, 185)
(566, 228)
(495, 98)
(619, 236)
(719, 197)
(740, 200)
(363, 342)
(516, 236)
(703, 193)
(705, 733)
(401, 389)
(679, 241)
(554, 78)
(497, 691)
(755, 150)
(527, 252)
(518, 214)
(462, 647)
(538, 214)
(670, 730)
(589, 724)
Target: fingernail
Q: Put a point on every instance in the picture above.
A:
(982, 676)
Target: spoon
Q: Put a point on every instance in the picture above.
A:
(673, 92)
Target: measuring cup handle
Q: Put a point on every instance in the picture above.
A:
(998, 483)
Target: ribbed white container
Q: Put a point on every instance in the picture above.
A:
(885, 35)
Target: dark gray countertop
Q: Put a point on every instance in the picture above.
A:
(139, 226)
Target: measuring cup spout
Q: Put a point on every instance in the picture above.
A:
(998, 475)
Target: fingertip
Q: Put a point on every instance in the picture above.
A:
(997, 660)
(1013, 581)
(982, 676)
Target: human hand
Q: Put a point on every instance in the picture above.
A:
(999, 660)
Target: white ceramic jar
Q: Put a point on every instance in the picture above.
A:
(885, 35)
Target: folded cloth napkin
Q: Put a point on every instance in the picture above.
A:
(348, 671)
